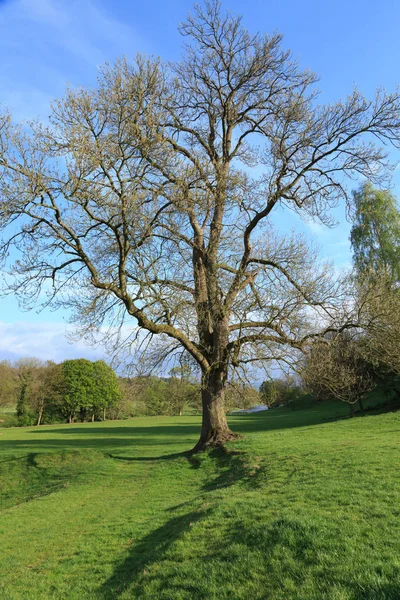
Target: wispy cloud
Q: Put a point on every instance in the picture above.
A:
(51, 42)
(47, 341)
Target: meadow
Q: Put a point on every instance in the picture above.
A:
(305, 507)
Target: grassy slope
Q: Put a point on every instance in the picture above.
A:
(304, 508)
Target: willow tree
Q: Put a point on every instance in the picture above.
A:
(375, 235)
(148, 200)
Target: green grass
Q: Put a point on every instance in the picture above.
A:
(305, 507)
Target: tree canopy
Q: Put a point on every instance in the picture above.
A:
(375, 235)
(146, 203)
(88, 387)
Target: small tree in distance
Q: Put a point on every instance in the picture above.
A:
(150, 198)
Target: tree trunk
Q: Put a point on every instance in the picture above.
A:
(104, 414)
(361, 405)
(351, 410)
(93, 418)
(40, 415)
(214, 428)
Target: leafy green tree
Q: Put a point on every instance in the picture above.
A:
(89, 388)
(27, 369)
(79, 387)
(155, 396)
(106, 393)
(285, 390)
(45, 393)
(375, 235)
(8, 383)
(269, 393)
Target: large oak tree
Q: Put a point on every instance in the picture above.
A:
(148, 200)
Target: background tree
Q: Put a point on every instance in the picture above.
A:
(46, 391)
(269, 393)
(129, 404)
(8, 383)
(337, 368)
(156, 398)
(80, 388)
(375, 235)
(241, 395)
(150, 197)
(181, 386)
(284, 390)
(107, 393)
(27, 370)
(379, 305)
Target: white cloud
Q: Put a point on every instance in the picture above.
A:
(318, 228)
(80, 27)
(47, 341)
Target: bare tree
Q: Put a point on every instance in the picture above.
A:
(379, 308)
(151, 197)
(336, 367)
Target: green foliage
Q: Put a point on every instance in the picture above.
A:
(107, 393)
(375, 235)
(269, 392)
(89, 388)
(159, 396)
(304, 509)
(22, 404)
(8, 383)
(79, 387)
(283, 391)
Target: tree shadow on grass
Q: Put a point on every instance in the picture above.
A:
(172, 429)
(250, 558)
(230, 466)
(150, 550)
(272, 420)
(186, 454)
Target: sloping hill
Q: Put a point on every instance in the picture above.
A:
(305, 507)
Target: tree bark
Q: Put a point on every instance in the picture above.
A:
(361, 405)
(351, 410)
(39, 416)
(214, 427)
(104, 414)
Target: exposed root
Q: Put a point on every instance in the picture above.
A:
(215, 439)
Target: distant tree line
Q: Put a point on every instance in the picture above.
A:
(82, 390)
(47, 392)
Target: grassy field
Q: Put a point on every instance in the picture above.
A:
(305, 507)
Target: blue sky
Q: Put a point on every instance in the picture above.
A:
(46, 44)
